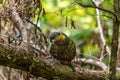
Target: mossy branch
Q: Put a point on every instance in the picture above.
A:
(19, 58)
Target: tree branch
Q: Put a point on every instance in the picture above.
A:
(17, 57)
(99, 64)
(105, 10)
(17, 21)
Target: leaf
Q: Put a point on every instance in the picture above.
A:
(72, 24)
(44, 13)
(66, 21)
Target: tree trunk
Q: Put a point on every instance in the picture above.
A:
(114, 44)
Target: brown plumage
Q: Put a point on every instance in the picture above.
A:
(62, 48)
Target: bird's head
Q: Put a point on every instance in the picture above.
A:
(58, 38)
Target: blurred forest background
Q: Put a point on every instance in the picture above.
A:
(79, 23)
(90, 28)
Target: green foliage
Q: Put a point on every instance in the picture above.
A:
(87, 1)
(105, 4)
(90, 49)
(82, 35)
(65, 15)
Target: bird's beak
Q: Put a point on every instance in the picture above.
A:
(62, 37)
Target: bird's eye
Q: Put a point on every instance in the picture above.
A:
(56, 36)
(52, 38)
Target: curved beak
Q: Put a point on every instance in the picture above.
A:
(62, 37)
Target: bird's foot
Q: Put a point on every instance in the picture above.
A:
(55, 60)
(72, 67)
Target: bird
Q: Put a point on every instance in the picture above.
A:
(62, 48)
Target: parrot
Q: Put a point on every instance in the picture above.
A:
(62, 48)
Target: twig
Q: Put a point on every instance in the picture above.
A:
(92, 62)
(37, 28)
(97, 3)
(102, 9)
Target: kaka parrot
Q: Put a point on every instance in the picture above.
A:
(62, 48)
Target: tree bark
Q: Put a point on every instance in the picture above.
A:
(19, 58)
(18, 21)
(114, 44)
